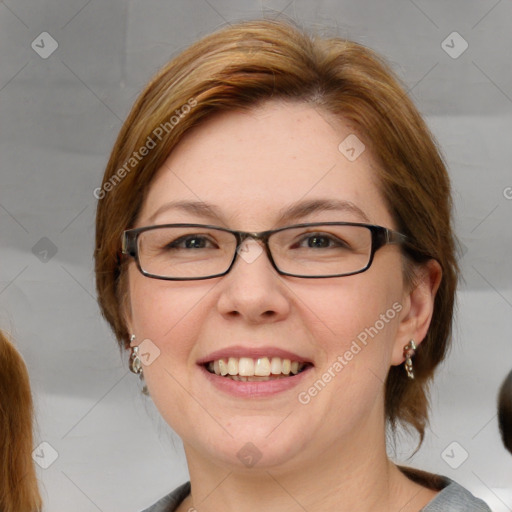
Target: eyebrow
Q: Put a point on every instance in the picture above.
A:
(198, 208)
(286, 215)
(305, 208)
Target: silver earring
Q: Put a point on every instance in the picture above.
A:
(409, 352)
(135, 363)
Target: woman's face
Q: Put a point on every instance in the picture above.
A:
(251, 168)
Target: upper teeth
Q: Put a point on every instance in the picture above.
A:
(261, 367)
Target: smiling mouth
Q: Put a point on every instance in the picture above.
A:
(247, 369)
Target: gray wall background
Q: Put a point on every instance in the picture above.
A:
(104, 446)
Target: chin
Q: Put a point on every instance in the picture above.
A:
(254, 445)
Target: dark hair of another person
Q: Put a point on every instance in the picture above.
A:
(505, 412)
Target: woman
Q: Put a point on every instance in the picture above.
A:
(18, 484)
(274, 247)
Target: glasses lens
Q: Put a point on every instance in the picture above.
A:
(185, 252)
(323, 250)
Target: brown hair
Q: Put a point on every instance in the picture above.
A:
(243, 65)
(18, 484)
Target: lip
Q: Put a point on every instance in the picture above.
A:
(254, 353)
(254, 389)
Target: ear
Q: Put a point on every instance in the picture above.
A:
(418, 308)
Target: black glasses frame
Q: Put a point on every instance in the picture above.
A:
(381, 236)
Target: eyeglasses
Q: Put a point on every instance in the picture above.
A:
(184, 252)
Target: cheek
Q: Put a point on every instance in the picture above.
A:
(355, 304)
(354, 324)
(355, 320)
(169, 314)
(160, 307)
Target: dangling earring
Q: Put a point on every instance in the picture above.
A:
(409, 352)
(135, 363)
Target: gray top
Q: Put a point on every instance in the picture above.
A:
(451, 498)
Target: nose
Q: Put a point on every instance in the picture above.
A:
(253, 290)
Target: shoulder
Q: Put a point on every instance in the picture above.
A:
(455, 498)
(172, 501)
(451, 496)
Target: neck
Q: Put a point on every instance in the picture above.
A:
(354, 474)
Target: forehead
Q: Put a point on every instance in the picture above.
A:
(252, 166)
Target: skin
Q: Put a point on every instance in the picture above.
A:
(329, 454)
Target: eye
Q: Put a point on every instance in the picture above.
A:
(321, 241)
(191, 242)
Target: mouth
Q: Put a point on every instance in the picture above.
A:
(261, 369)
